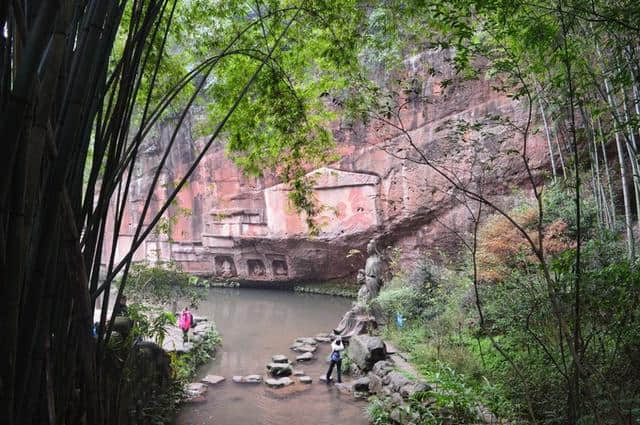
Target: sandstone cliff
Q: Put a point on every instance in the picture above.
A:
(230, 225)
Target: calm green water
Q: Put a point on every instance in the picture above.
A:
(256, 324)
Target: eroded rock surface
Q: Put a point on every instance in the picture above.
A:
(241, 227)
(365, 351)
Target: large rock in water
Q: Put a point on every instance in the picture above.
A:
(366, 350)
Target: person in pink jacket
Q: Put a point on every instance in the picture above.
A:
(185, 321)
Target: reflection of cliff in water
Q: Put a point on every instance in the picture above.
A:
(256, 324)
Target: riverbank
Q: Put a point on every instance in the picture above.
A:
(337, 287)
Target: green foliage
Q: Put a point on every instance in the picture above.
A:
(183, 366)
(149, 322)
(345, 367)
(162, 285)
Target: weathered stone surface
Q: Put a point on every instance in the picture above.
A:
(366, 350)
(278, 383)
(252, 379)
(304, 348)
(344, 388)
(305, 379)
(375, 383)
(212, 379)
(410, 389)
(279, 358)
(196, 389)
(382, 368)
(396, 380)
(307, 340)
(279, 369)
(304, 357)
(361, 384)
(249, 379)
(236, 219)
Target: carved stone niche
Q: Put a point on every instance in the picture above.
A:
(256, 268)
(280, 268)
(225, 267)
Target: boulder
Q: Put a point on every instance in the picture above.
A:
(298, 372)
(366, 350)
(323, 339)
(305, 379)
(279, 369)
(396, 380)
(304, 357)
(375, 383)
(361, 384)
(382, 368)
(279, 358)
(237, 379)
(278, 383)
(410, 389)
(212, 379)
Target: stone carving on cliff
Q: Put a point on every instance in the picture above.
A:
(359, 319)
(280, 268)
(225, 267)
(373, 270)
(256, 268)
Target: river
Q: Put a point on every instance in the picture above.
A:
(255, 324)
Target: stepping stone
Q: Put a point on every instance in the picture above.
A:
(252, 379)
(279, 369)
(212, 379)
(304, 357)
(279, 358)
(305, 379)
(324, 339)
(298, 372)
(249, 379)
(196, 389)
(323, 378)
(278, 383)
(303, 348)
(306, 340)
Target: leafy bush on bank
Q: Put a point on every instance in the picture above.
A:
(517, 361)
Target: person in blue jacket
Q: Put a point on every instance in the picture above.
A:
(336, 358)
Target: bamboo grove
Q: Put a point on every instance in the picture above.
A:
(81, 88)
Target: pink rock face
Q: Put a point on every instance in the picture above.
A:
(232, 226)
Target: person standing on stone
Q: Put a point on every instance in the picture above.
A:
(185, 323)
(336, 358)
